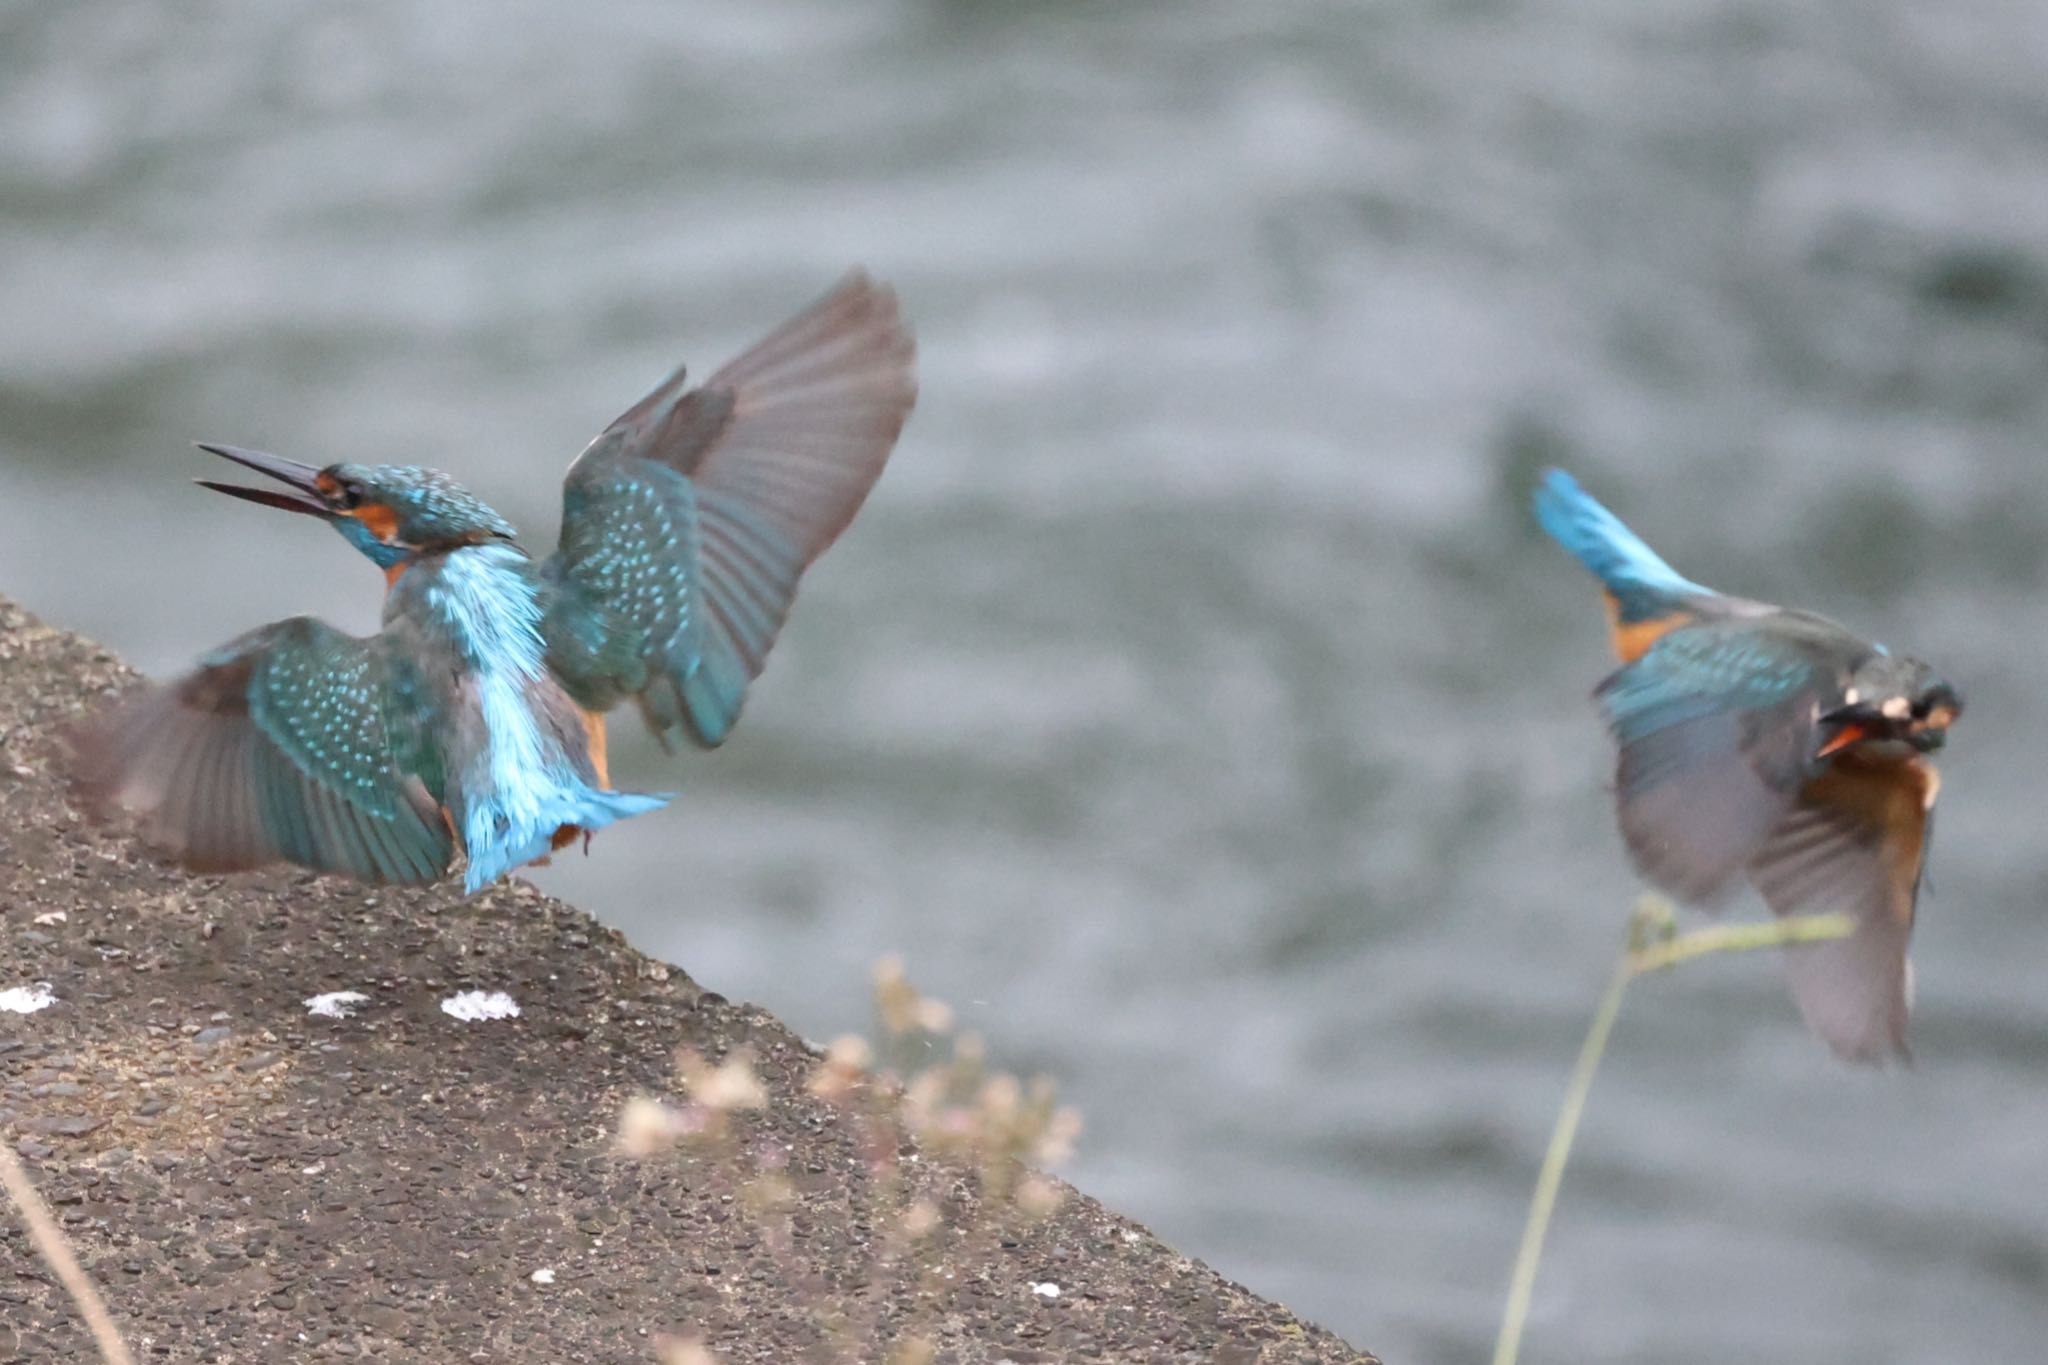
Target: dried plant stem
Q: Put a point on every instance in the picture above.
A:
(1522, 1287)
(1737, 938)
(1651, 947)
(56, 1253)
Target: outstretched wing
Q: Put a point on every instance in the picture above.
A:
(687, 523)
(284, 745)
(1718, 729)
(1855, 845)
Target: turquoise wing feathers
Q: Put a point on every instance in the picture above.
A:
(1697, 669)
(1717, 728)
(290, 743)
(687, 523)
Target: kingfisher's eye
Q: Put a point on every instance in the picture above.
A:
(350, 494)
(1921, 708)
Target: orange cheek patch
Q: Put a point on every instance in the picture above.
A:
(1632, 639)
(382, 521)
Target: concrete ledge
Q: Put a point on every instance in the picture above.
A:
(250, 1182)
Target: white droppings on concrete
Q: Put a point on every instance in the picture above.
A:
(1046, 1290)
(542, 1276)
(474, 1006)
(334, 1004)
(52, 917)
(27, 999)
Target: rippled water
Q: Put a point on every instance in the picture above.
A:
(1193, 703)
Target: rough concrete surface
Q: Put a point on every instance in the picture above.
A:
(247, 1182)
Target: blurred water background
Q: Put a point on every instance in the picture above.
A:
(1193, 703)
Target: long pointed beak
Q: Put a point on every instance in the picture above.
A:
(303, 497)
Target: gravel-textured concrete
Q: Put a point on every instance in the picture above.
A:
(250, 1183)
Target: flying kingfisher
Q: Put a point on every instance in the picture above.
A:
(472, 724)
(1758, 739)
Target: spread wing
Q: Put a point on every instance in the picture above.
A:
(1855, 844)
(687, 523)
(1718, 729)
(284, 745)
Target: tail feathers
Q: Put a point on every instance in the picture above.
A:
(1617, 556)
(590, 809)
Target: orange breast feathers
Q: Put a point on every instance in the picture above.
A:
(1632, 639)
(1890, 798)
(593, 730)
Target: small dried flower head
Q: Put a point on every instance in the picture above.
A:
(1056, 1143)
(1000, 1097)
(683, 1351)
(933, 1016)
(920, 1219)
(844, 1066)
(902, 1008)
(647, 1126)
(1037, 1196)
(912, 1351)
(730, 1085)
(923, 1097)
(896, 1000)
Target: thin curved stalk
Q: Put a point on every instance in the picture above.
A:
(56, 1253)
(1652, 946)
(1523, 1286)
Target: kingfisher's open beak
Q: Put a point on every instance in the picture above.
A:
(304, 495)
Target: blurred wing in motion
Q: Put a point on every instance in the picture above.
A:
(279, 747)
(1855, 845)
(687, 523)
(1717, 730)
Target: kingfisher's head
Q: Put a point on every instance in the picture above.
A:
(1896, 699)
(392, 513)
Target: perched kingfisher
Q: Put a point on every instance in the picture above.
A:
(1774, 742)
(472, 725)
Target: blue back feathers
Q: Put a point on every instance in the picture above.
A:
(516, 793)
(1643, 585)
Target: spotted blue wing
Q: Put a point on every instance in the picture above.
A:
(688, 522)
(1716, 727)
(1854, 844)
(288, 744)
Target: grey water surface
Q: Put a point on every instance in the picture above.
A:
(1193, 704)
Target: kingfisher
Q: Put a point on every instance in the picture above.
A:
(1762, 740)
(471, 727)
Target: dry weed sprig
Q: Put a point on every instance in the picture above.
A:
(55, 1249)
(932, 1092)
